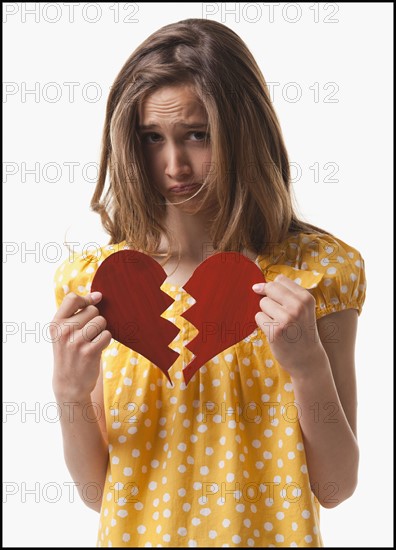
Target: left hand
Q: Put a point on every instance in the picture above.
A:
(287, 318)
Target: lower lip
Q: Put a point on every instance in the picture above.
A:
(186, 189)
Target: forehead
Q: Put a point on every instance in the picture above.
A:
(171, 102)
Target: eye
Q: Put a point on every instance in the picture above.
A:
(154, 137)
(201, 136)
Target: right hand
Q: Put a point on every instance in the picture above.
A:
(78, 339)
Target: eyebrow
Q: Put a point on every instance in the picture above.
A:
(182, 124)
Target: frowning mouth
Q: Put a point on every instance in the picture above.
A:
(185, 188)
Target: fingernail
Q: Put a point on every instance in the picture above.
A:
(258, 287)
(96, 296)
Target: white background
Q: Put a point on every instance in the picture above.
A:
(353, 53)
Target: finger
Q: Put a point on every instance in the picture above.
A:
(273, 310)
(101, 342)
(73, 302)
(291, 285)
(264, 323)
(85, 315)
(278, 292)
(93, 329)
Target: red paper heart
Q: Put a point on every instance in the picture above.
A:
(132, 304)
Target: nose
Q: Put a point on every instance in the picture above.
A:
(178, 164)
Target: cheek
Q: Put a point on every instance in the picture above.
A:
(152, 163)
(202, 162)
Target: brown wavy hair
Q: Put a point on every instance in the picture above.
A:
(250, 173)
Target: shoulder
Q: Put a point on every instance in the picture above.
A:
(76, 272)
(336, 269)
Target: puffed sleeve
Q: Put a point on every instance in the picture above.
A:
(343, 285)
(75, 274)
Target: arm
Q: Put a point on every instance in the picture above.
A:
(323, 377)
(79, 337)
(85, 443)
(328, 407)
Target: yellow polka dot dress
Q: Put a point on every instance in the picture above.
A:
(219, 462)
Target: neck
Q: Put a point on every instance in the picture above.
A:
(191, 233)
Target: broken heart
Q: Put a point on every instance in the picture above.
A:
(132, 304)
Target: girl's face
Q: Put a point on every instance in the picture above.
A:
(172, 127)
